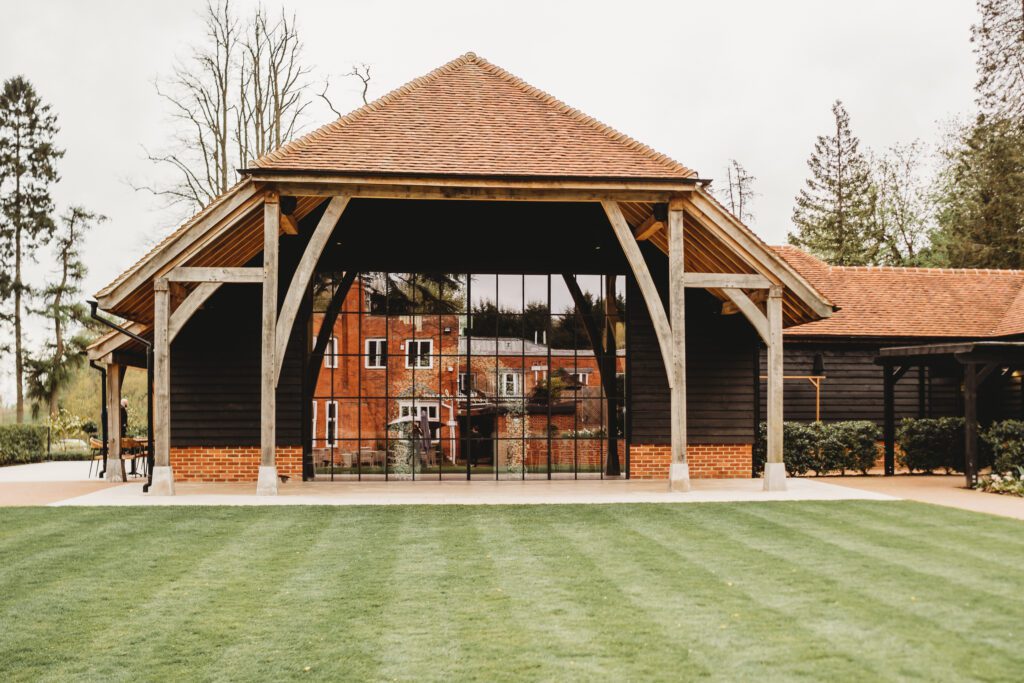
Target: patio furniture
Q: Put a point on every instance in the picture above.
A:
(96, 446)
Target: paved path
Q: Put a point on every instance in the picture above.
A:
(938, 489)
(475, 493)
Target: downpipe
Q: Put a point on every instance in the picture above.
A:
(103, 412)
(150, 456)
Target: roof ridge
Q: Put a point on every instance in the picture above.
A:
(928, 270)
(495, 70)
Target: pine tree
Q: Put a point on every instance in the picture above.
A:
(50, 372)
(999, 47)
(833, 213)
(28, 159)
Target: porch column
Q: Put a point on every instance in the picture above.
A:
(679, 470)
(775, 468)
(163, 475)
(971, 423)
(267, 481)
(115, 466)
(889, 418)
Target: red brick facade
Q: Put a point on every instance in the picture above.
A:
(210, 463)
(707, 461)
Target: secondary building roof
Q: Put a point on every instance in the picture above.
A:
(472, 118)
(884, 301)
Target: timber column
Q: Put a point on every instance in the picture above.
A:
(679, 470)
(775, 468)
(114, 468)
(163, 475)
(266, 484)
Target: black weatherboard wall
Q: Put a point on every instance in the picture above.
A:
(719, 369)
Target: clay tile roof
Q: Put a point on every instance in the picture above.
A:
(883, 301)
(471, 118)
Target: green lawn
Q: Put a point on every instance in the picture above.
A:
(842, 591)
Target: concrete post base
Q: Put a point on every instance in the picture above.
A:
(163, 481)
(774, 476)
(679, 476)
(266, 484)
(115, 470)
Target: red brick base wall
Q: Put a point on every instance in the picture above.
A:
(208, 463)
(707, 461)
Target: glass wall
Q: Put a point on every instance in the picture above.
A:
(451, 375)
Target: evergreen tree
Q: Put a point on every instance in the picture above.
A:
(28, 160)
(980, 197)
(999, 47)
(833, 213)
(50, 372)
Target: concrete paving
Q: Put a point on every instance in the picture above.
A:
(67, 470)
(475, 493)
(938, 489)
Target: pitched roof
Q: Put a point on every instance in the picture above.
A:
(883, 301)
(472, 118)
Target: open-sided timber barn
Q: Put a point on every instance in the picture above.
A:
(464, 278)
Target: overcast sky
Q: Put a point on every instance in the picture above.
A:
(700, 81)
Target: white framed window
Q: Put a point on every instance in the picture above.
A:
(413, 409)
(376, 353)
(511, 383)
(465, 383)
(419, 353)
(331, 353)
(314, 421)
(332, 422)
(583, 378)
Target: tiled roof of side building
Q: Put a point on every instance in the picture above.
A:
(472, 118)
(884, 301)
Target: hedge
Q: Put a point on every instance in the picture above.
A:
(927, 444)
(823, 447)
(1006, 441)
(22, 444)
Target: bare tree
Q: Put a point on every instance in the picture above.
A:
(738, 193)
(360, 71)
(237, 96)
(999, 47)
(901, 203)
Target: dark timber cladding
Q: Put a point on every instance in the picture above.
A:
(719, 350)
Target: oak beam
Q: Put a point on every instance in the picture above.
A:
(300, 280)
(645, 282)
(114, 470)
(726, 280)
(266, 483)
(216, 274)
(648, 228)
(679, 469)
(163, 475)
(775, 468)
(745, 305)
(187, 308)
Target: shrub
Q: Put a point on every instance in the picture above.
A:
(859, 439)
(931, 443)
(1006, 441)
(798, 444)
(22, 444)
(823, 447)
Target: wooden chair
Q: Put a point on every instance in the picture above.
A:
(96, 446)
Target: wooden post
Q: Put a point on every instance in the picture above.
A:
(679, 470)
(970, 423)
(889, 423)
(775, 468)
(163, 475)
(611, 317)
(267, 481)
(115, 466)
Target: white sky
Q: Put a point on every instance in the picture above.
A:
(700, 81)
